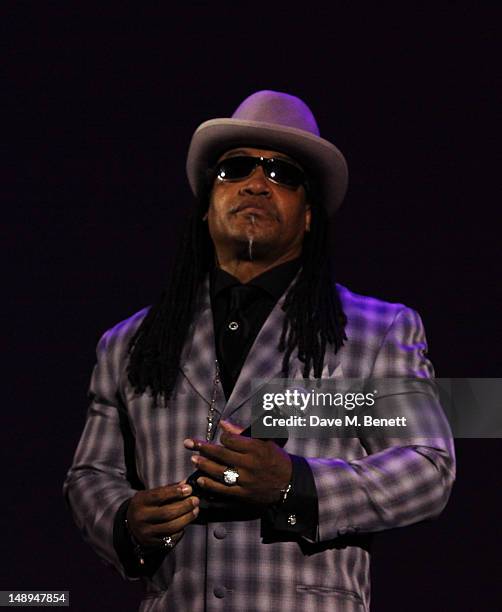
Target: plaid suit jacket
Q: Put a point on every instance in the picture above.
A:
(363, 485)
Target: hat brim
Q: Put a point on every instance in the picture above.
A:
(320, 159)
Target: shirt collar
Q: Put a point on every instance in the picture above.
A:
(274, 281)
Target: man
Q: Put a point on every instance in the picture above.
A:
(252, 297)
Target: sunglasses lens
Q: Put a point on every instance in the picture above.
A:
(235, 168)
(285, 173)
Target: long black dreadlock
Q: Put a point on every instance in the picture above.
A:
(313, 312)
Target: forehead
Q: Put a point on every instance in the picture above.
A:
(256, 153)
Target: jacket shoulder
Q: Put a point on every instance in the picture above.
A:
(118, 337)
(357, 304)
(371, 316)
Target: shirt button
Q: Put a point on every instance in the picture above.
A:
(292, 519)
(219, 592)
(233, 326)
(220, 532)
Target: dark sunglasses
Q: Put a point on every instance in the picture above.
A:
(276, 170)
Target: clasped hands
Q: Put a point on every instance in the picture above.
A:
(264, 469)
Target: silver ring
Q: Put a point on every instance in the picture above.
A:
(168, 542)
(230, 476)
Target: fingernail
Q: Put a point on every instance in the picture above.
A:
(194, 459)
(195, 511)
(185, 489)
(195, 502)
(201, 481)
(188, 443)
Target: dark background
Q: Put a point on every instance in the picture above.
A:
(100, 105)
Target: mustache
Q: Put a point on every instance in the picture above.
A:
(267, 208)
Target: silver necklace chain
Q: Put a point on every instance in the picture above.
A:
(212, 406)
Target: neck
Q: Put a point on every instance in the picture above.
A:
(247, 270)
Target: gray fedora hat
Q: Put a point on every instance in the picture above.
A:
(276, 121)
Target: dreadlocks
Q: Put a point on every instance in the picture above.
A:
(313, 312)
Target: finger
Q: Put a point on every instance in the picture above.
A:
(152, 534)
(237, 443)
(165, 494)
(218, 453)
(169, 512)
(210, 484)
(175, 538)
(241, 446)
(211, 468)
(230, 427)
(155, 541)
(167, 529)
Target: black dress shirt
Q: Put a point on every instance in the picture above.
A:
(239, 312)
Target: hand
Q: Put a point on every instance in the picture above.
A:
(264, 467)
(157, 513)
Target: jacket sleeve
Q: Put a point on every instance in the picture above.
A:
(399, 480)
(96, 484)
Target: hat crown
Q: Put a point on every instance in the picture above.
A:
(274, 107)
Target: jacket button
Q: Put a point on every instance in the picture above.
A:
(219, 591)
(220, 532)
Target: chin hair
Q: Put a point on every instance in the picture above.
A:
(253, 252)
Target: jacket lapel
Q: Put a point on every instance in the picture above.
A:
(198, 359)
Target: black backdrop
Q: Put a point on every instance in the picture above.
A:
(100, 107)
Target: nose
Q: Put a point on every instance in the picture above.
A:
(256, 183)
